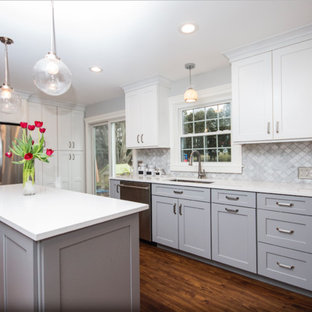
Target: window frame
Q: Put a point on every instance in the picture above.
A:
(207, 97)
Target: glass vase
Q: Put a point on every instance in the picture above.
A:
(29, 178)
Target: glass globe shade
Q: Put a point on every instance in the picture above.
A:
(10, 102)
(51, 75)
(190, 96)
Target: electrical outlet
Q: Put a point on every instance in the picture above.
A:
(305, 173)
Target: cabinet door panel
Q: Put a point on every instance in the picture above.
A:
(77, 131)
(165, 221)
(133, 115)
(292, 75)
(194, 227)
(49, 118)
(49, 171)
(252, 98)
(234, 236)
(64, 170)
(77, 171)
(64, 128)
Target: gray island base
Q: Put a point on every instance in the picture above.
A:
(91, 269)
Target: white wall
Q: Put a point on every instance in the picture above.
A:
(109, 106)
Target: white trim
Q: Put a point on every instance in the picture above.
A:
(89, 123)
(274, 42)
(211, 96)
(157, 80)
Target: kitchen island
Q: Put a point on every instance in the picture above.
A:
(63, 250)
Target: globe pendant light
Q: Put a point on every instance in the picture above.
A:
(50, 74)
(9, 101)
(190, 95)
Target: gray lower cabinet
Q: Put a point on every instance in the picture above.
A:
(114, 190)
(95, 268)
(234, 236)
(182, 224)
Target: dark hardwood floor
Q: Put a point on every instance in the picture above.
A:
(171, 282)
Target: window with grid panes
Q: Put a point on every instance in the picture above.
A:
(207, 130)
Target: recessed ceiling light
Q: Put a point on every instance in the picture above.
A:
(188, 28)
(96, 69)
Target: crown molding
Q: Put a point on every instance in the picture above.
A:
(271, 43)
(156, 80)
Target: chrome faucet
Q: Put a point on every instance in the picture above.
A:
(201, 173)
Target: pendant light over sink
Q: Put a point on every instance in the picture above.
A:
(9, 101)
(190, 95)
(50, 74)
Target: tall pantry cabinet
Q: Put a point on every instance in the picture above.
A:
(65, 135)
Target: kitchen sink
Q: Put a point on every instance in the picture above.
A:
(191, 181)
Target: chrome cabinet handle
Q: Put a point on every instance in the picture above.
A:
(285, 231)
(74, 157)
(138, 138)
(175, 208)
(284, 204)
(69, 156)
(231, 197)
(69, 143)
(285, 266)
(73, 144)
(277, 127)
(142, 138)
(269, 128)
(117, 188)
(180, 209)
(147, 188)
(232, 210)
(178, 192)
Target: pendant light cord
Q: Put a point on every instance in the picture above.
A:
(6, 64)
(190, 78)
(53, 45)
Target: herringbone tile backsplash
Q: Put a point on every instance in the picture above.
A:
(275, 162)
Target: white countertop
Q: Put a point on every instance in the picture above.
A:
(296, 189)
(53, 212)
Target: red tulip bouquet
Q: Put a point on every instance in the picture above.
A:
(26, 149)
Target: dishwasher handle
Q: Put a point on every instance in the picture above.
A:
(134, 187)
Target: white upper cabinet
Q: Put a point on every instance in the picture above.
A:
(70, 129)
(271, 86)
(147, 115)
(252, 98)
(292, 77)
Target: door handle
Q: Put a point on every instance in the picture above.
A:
(74, 157)
(117, 188)
(284, 204)
(178, 192)
(180, 209)
(175, 208)
(73, 144)
(269, 128)
(142, 138)
(285, 231)
(277, 127)
(69, 144)
(138, 138)
(232, 210)
(69, 156)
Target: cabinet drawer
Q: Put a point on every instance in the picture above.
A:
(286, 265)
(184, 192)
(285, 229)
(237, 198)
(283, 203)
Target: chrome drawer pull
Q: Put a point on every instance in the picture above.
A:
(178, 192)
(285, 266)
(138, 138)
(285, 231)
(180, 209)
(231, 197)
(232, 210)
(135, 187)
(175, 209)
(284, 204)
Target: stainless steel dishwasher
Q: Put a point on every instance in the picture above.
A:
(139, 192)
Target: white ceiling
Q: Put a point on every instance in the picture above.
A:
(134, 40)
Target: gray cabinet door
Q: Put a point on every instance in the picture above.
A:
(114, 190)
(165, 221)
(194, 227)
(234, 236)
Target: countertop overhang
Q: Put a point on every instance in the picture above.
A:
(295, 189)
(54, 211)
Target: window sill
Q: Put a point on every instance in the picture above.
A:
(211, 168)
